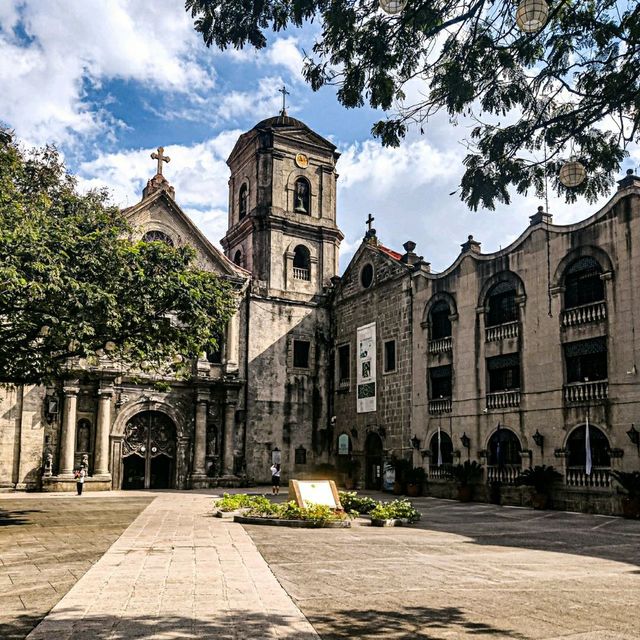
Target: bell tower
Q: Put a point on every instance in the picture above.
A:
(282, 208)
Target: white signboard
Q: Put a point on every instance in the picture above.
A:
(366, 374)
(343, 444)
(308, 492)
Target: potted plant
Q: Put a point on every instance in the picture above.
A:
(541, 478)
(394, 514)
(415, 481)
(351, 467)
(630, 483)
(466, 475)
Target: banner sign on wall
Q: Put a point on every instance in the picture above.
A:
(366, 374)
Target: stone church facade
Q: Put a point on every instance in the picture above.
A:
(502, 358)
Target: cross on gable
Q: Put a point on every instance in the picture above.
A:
(160, 157)
(284, 93)
(369, 221)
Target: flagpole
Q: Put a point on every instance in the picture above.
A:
(587, 444)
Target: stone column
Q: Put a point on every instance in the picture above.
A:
(200, 441)
(68, 434)
(229, 433)
(103, 428)
(232, 344)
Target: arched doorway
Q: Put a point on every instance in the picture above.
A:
(504, 462)
(373, 462)
(441, 455)
(148, 452)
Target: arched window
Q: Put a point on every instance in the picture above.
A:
(214, 356)
(237, 258)
(243, 198)
(83, 436)
(583, 284)
(577, 451)
(440, 323)
(504, 448)
(502, 304)
(156, 235)
(302, 196)
(446, 449)
(301, 263)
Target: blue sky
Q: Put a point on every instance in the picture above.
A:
(108, 81)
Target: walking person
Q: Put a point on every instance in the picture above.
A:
(79, 475)
(275, 479)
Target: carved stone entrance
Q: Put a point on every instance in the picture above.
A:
(149, 452)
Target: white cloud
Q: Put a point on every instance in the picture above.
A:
(286, 52)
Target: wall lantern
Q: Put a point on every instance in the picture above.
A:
(392, 7)
(532, 15)
(51, 408)
(572, 173)
(538, 438)
(415, 442)
(634, 436)
(466, 441)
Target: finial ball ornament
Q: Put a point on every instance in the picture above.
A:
(572, 173)
(392, 7)
(532, 15)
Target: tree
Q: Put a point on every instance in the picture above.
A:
(569, 88)
(74, 284)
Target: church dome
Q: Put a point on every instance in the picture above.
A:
(280, 121)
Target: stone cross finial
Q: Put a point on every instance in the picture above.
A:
(284, 93)
(160, 157)
(369, 221)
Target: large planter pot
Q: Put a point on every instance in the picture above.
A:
(539, 500)
(631, 508)
(414, 490)
(391, 522)
(464, 493)
(397, 488)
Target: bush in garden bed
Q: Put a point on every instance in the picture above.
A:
(239, 501)
(396, 510)
(291, 511)
(353, 503)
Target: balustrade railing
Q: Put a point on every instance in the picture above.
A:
(585, 314)
(586, 391)
(600, 477)
(502, 331)
(505, 473)
(503, 399)
(440, 472)
(301, 274)
(441, 345)
(441, 405)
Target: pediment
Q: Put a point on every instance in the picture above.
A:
(160, 212)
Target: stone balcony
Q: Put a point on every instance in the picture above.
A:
(503, 399)
(502, 331)
(301, 274)
(585, 314)
(441, 405)
(504, 473)
(441, 345)
(599, 478)
(579, 392)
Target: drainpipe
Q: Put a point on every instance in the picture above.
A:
(17, 450)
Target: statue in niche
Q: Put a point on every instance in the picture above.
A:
(301, 196)
(85, 461)
(48, 464)
(84, 435)
(212, 441)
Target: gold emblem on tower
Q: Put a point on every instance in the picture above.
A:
(302, 161)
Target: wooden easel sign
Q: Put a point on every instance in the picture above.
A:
(306, 492)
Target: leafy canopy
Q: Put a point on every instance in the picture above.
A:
(573, 88)
(73, 282)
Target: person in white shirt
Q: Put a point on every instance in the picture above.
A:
(275, 479)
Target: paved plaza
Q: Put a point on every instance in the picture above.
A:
(465, 571)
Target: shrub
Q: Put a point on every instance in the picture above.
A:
(629, 481)
(398, 509)
(241, 501)
(352, 502)
(467, 473)
(541, 478)
(417, 475)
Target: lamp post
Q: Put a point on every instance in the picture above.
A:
(538, 438)
(466, 443)
(634, 436)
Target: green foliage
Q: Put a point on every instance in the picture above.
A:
(541, 478)
(417, 475)
(74, 283)
(467, 473)
(234, 502)
(629, 481)
(534, 98)
(352, 502)
(402, 467)
(291, 511)
(398, 509)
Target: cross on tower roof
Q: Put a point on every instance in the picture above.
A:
(369, 221)
(160, 157)
(284, 93)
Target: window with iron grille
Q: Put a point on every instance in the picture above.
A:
(440, 323)
(301, 455)
(502, 305)
(586, 359)
(301, 354)
(389, 356)
(504, 372)
(441, 382)
(583, 284)
(577, 452)
(344, 364)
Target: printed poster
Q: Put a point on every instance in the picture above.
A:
(366, 374)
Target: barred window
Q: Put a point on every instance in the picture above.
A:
(504, 372)
(583, 284)
(586, 359)
(440, 323)
(502, 304)
(441, 382)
